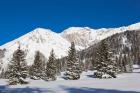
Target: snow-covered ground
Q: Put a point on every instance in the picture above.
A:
(125, 83)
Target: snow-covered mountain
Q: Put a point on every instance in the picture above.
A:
(85, 36)
(40, 39)
(45, 40)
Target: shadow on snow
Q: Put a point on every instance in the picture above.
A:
(5, 89)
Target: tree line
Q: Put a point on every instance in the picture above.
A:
(104, 65)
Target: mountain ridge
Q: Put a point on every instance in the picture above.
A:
(93, 35)
(44, 40)
(131, 27)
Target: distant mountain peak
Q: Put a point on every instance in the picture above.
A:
(73, 30)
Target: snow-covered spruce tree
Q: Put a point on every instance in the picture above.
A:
(2, 74)
(17, 68)
(58, 65)
(73, 70)
(105, 65)
(126, 63)
(1, 69)
(37, 70)
(0, 64)
(51, 67)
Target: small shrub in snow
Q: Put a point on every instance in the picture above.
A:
(106, 76)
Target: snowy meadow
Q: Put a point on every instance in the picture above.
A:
(125, 83)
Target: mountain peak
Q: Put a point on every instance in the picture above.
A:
(73, 30)
(41, 31)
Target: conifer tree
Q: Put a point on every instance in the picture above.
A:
(127, 63)
(58, 65)
(37, 70)
(2, 74)
(0, 64)
(1, 68)
(73, 66)
(105, 65)
(17, 68)
(139, 60)
(51, 67)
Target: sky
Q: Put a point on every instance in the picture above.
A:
(18, 17)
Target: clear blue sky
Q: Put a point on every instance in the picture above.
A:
(18, 17)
